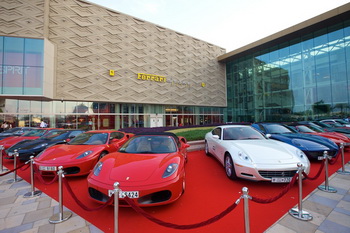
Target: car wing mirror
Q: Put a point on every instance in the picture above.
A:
(268, 135)
(216, 136)
(186, 145)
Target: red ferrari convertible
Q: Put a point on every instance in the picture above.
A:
(79, 156)
(150, 169)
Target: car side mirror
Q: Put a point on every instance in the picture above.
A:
(216, 136)
(268, 135)
(186, 145)
(67, 140)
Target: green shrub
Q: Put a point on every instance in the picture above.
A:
(192, 134)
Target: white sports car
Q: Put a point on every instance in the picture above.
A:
(248, 154)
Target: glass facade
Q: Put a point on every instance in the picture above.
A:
(93, 115)
(21, 66)
(304, 78)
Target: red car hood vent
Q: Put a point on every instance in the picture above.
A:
(135, 167)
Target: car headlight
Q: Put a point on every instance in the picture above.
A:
(97, 168)
(243, 156)
(41, 146)
(86, 153)
(300, 154)
(170, 170)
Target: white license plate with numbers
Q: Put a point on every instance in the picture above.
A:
(122, 194)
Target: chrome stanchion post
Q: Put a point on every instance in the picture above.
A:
(326, 187)
(246, 209)
(342, 171)
(15, 179)
(298, 212)
(1, 160)
(32, 193)
(62, 215)
(116, 206)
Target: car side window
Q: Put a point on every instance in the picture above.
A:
(217, 131)
(116, 135)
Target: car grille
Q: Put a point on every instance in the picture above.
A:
(270, 174)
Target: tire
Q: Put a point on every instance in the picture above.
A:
(230, 167)
(103, 154)
(206, 149)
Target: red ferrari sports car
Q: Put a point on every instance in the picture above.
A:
(79, 156)
(28, 135)
(150, 169)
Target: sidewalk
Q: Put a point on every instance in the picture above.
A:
(330, 211)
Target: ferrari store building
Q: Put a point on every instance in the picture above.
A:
(76, 64)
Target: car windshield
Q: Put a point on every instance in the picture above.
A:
(53, 134)
(342, 122)
(241, 133)
(304, 129)
(316, 128)
(34, 133)
(277, 129)
(90, 138)
(149, 144)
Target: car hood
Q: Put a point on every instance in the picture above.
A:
(136, 167)
(13, 140)
(303, 141)
(267, 151)
(63, 153)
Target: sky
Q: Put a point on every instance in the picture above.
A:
(230, 24)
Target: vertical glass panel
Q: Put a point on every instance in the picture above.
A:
(34, 52)
(1, 52)
(14, 50)
(13, 80)
(33, 81)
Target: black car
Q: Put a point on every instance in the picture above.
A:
(29, 148)
(17, 131)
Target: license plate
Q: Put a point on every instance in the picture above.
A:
(122, 194)
(47, 168)
(281, 179)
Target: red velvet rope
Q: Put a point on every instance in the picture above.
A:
(5, 173)
(334, 160)
(110, 200)
(37, 174)
(28, 165)
(317, 175)
(284, 191)
(177, 226)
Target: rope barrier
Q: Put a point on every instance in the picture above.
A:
(110, 200)
(284, 191)
(177, 226)
(41, 179)
(334, 160)
(316, 176)
(2, 174)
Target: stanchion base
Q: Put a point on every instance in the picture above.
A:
(32, 194)
(14, 180)
(56, 218)
(3, 170)
(305, 216)
(343, 172)
(327, 189)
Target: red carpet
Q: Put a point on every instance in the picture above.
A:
(208, 193)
